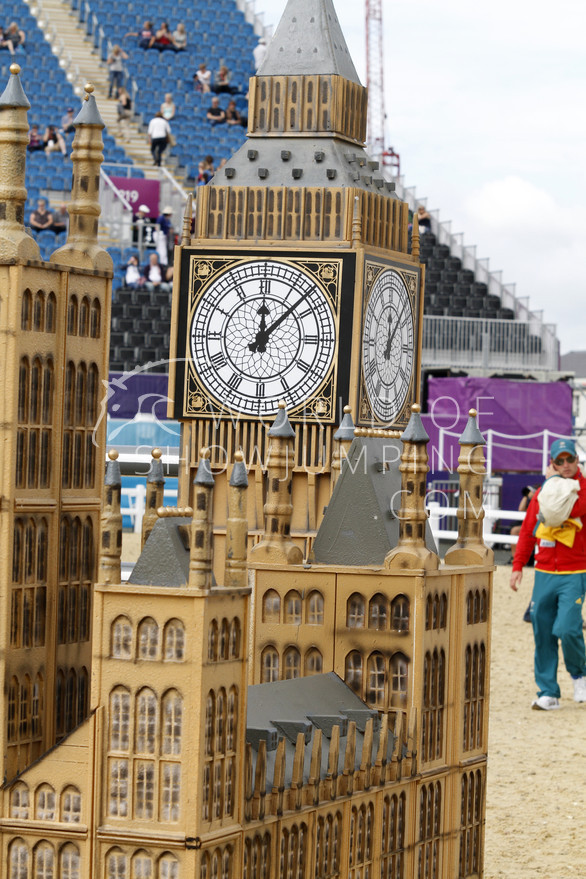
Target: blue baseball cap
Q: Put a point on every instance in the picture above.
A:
(562, 445)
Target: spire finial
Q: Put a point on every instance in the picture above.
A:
(186, 232)
(201, 549)
(235, 569)
(111, 523)
(415, 237)
(155, 489)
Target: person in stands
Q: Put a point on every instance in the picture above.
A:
(180, 37)
(554, 527)
(168, 108)
(202, 79)
(158, 132)
(423, 219)
(156, 275)
(5, 42)
(60, 219)
(17, 36)
(54, 141)
(35, 140)
(41, 218)
(163, 39)
(124, 111)
(145, 35)
(215, 114)
(222, 82)
(115, 63)
(67, 126)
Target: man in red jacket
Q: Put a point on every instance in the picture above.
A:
(560, 583)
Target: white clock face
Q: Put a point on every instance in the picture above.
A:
(261, 332)
(388, 345)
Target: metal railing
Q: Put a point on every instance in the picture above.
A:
(469, 342)
(116, 210)
(437, 523)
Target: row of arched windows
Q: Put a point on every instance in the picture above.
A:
(294, 608)
(140, 864)
(45, 861)
(38, 312)
(432, 716)
(220, 743)
(476, 606)
(273, 668)
(257, 857)
(36, 387)
(144, 641)
(393, 836)
(224, 640)
(328, 834)
(217, 864)
(430, 831)
(25, 709)
(83, 317)
(436, 611)
(361, 840)
(378, 681)
(29, 576)
(80, 414)
(145, 742)
(76, 572)
(474, 696)
(71, 699)
(44, 804)
(379, 617)
(471, 823)
(293, 852)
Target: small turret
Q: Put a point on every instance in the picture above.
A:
(15, 243)
(235, 570)
(276, 545)
(82, 249)
(111, 523)
(342, 441)
(200, 543)
(155, 487)
(411, 552)
(469, 548)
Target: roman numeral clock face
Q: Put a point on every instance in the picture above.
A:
(388, 348)
(261, 331)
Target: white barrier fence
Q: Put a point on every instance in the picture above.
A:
(438, 515)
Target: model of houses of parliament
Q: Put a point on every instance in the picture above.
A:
(279, 691)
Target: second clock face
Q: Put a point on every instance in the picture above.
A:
(262, 331)
(388, 345)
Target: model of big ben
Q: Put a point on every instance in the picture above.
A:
(298, 283)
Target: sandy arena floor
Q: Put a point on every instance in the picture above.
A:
(536, 805)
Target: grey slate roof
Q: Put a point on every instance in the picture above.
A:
(281, 426)
(13, 95)
(360, 526)
(308, 39)
(164, 560)
(156, 473)
(285, 708)
(89, 114)
(204, 475)
(346, 428)
(472, 435)
(239, 476)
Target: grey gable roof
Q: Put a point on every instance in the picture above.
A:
(164, 560)
(308, 40)
(360, 525)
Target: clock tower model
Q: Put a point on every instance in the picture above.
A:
(298, 282)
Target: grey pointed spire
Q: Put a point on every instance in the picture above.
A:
(89, 113)
(308, 39)
(204, 475)
(239, 477)
(156, 472)
(13, 95)
(415, 432)
(281, 425)
(472, 435)
(346, 428)
(113, 476)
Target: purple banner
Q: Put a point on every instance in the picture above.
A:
(137, 191)
(512, 416)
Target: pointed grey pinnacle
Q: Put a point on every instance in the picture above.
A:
(156, 473)
(239, 477)
(113, 476)
(204, 475)
(282, 426)
(346, 428)
(415, 432)
(13, 95)
(89, 114)
(472, 435)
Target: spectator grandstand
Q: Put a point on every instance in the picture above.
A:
(471, 320)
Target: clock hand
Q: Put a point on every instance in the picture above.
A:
(262, 337)
(260, 341)
(387, 353)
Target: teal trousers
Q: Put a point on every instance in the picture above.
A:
(556, 614)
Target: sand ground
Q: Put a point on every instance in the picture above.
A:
(536, 803)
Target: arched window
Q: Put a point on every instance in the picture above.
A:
(37, 708)
(269, 665)
(315, 609)
(23, 391)
(377, 612)
(210, 722)
(71, 805)
(19, 801)
(232, 720)
(39, 311)
(376, 680)
(72, 317)
(399, 680)
(224, 640)
(82, 694)
(95, 319)
(168, 867)
(172, 722)
(84, 316)
(220, 736)
(271, 607)
(400, 614)
(44, 861)
(170, 791)
(60, 703)
(293, 608)
(234, 651)
(313, 662)
(213, 641)
(144, 789)
(69, 862)
(121, 638)
(142, 865)
(26, 310)
(45, 808)
(116, 864)
(50, 313)
(353, 671)
(119, 719)
(146, 721)
(18, 859)
(355, 612)
(70, 699)
(12, 719)
(292, 663)
(148, 639)
(174, 641)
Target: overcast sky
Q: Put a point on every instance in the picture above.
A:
(486, 106)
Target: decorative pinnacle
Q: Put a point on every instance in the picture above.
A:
(347, 410)
(416, 407)
(204, 453)
(113, 454)
(88, 89)
(239, 456)
(15, 69)
(156, 454)
(473, 413)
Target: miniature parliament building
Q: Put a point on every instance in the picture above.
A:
(290, 685)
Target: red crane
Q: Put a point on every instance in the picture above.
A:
(376, 88)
